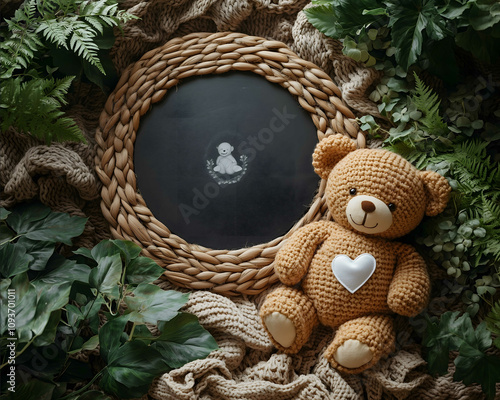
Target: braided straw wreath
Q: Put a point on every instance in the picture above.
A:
(229, 272)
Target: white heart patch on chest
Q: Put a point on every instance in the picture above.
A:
(353, 274)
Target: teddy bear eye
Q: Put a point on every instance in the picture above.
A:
(392, 207)
(353, 191)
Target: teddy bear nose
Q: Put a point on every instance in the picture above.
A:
(367, 206)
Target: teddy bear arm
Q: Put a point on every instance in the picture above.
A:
(410, 287)
(293, 259)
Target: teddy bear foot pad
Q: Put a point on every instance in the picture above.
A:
(353, 354)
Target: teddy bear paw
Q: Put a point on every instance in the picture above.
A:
(353, 354)
(281, 328)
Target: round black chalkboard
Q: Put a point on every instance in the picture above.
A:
(224, 161)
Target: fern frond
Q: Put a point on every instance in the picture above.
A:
(95, 23)
(30, 9)
(51, 7)
(56, 31)
(35, 109)
(17, 52)
(428, 103)
(59, 90)
(81, 42)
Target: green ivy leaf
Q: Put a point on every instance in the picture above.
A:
(13, 260)
(24, 215)
(39, 223)
(141, 332)
(90, 344)
(73, 316)
(6, 234)
(440, 338)
(106, 276)
(3, 213)
(105, 248)
(133, 365)
(183, 340)
(110, 334)
(83, 251)
(151, 304)
(63, 270)
(40, 252)
(51, 299)
(484, 16)
(473, 365)
(142, 270)
(48, 336)
(128, 250)
(91, 313)
(58, 228)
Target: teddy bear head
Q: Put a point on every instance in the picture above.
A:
(374, 191)
(225, 149)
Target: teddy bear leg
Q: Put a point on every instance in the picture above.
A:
(360, 343)
(289, 317)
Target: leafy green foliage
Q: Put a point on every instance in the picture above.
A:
(411, 32)
(473, 364)
(40, 40)
(183, 339)
(59, 304)
(413, 23)
(464, 239)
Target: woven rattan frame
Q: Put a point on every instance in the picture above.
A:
(230, 272)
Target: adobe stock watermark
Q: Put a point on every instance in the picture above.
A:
(11, 340)
(248, 149)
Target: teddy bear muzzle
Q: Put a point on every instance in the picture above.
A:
(368, 214)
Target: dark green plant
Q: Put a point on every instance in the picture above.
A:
(465, 238)
(472, 365)
(45, 46)
(420, 33)
(60, 303)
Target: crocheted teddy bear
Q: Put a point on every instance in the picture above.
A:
(352, 274)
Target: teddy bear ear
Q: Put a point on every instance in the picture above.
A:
(437, 190)
(329, 152)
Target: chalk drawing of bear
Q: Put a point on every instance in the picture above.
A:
(226, 163)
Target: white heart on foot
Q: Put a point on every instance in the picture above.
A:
(353, 274)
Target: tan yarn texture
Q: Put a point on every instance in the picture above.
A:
(246, 366)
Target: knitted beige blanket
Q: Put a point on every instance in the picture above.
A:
(246, 366)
